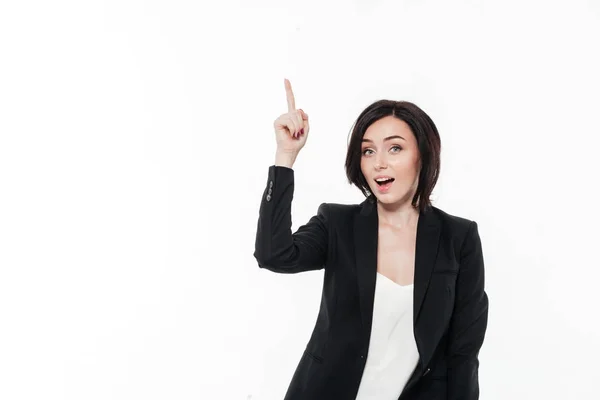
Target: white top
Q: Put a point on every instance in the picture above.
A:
(393, 353)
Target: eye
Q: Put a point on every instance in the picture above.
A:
(397, 147)
(365, 150)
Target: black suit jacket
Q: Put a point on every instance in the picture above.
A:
(450, 303)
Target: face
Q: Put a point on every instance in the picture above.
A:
(389, 151)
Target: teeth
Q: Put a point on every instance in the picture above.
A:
(382, 179)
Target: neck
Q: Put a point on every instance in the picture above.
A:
(398, 215)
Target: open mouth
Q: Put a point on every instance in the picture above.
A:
(385, 182)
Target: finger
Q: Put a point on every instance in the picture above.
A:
(304, 115)
(289, 94)
(298, 119)
(286, 123)
(291, 124)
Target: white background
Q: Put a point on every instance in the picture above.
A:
(135, 142)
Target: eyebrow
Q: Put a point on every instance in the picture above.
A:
(387, 138)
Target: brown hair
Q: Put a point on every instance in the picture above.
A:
(428, 142)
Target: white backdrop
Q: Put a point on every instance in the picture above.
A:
(135, 139)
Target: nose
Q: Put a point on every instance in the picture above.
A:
(380, 163)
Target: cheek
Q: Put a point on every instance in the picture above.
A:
(406, 165)
(363, 168)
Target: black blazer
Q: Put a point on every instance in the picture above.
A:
(450, 303)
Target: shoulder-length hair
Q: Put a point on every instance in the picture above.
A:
(428, 142)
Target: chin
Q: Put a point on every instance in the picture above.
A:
(387, 198)
(391, 198)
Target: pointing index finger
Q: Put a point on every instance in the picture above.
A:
(290, 96)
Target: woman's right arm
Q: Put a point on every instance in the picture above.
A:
(276, 247)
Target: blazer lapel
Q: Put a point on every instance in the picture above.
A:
(428, 240)
(366, 227)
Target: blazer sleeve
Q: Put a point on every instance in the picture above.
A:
(276, 247)
(469, 321)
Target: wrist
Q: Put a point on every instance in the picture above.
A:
(285, 159)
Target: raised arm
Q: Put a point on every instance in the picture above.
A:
(276, 247)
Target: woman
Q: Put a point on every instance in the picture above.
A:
(403, 312)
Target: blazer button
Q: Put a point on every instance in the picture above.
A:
(270, 184)
(268, 197)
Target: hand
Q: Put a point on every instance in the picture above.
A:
(291, 128)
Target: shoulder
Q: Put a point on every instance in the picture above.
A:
(452, 222)
(338, 210)
(455, 225)
(458, 229)
(447, 219)
(337, 214)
